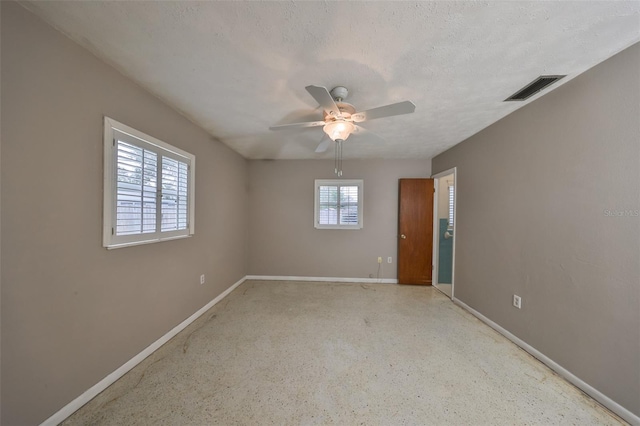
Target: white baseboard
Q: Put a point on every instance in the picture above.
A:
(323, 279)
(91, 393)
(572, 378)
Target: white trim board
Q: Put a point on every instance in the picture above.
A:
(570, 377)
(322, 279)
(93, 391)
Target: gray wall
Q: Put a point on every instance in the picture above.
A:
(533, 195)
(283, 240)
(72, 312)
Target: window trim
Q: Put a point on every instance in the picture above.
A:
(338, 182)
(143, 140)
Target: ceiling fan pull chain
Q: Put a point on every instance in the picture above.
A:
(335, 158)
(339, 157)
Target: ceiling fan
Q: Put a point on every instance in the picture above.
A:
(340, 118)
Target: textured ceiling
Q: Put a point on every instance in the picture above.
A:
(235, 68)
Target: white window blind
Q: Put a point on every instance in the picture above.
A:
(174, 194)
(451, 205)
(136, 189)
(338, 204)
(148, 188)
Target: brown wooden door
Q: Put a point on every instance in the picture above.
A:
(415, 231)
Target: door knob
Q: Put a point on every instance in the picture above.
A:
(404, 237)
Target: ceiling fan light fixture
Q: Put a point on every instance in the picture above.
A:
(339, 129)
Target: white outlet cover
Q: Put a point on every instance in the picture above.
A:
(517, 301)
(389, 259)
(202, 279)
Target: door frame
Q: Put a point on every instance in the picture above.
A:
(436, 230)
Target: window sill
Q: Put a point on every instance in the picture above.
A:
(139, 243)
(350, 228)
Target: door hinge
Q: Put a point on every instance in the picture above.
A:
(114, 142)
(112, 231)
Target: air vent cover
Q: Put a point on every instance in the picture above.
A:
(534, 87)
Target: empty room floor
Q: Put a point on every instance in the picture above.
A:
(340, 353)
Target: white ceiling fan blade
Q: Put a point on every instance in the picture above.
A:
(323, 97)
(324, 144)
(297, 125)
(365, 133)
(399, 108)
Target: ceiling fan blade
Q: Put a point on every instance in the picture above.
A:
(323, 97)
(297, 125)
(399, 108)
(368, 134)
(324, 144)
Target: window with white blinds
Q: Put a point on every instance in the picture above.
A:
(451, 205)
(149, 187)
(338, 204)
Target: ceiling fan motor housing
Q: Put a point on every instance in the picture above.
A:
(346, 111)
(339, 93)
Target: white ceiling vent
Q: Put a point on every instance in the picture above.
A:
(534, 87)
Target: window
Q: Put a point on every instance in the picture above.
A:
(451, 196)
(338, 204)
(148, 188)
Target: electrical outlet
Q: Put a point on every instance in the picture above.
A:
(202, 279)
(389, 260)
(517, 301)
(380, 260)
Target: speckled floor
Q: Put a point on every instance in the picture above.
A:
(344, 354)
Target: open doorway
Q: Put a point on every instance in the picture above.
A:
(444, 213)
